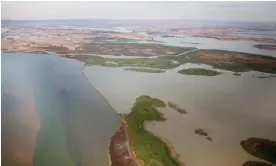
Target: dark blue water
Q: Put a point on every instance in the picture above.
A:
(74, 123)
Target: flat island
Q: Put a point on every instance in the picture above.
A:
(157, 63)
(145, 147)
(199, 71)
(261, 148)
(145, 70)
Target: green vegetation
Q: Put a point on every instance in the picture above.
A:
(261, 148)
(176, 107)
(120, 62)
(226, 60)
(149, 148)
(145, 70)
(199, 71)
(132, 49)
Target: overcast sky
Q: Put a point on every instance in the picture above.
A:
(249, 11)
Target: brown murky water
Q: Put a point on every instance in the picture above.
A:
(230, 108)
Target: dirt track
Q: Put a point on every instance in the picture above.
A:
(119, 149)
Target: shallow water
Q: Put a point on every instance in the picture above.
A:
(230, 108)
(76, 122)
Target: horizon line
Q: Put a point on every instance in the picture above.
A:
(105, 19)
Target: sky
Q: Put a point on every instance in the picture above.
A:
(239, 11)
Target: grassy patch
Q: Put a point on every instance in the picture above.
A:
(120, 62)
(147, 147)
(145, 70)
(199, 71)
(132, 49)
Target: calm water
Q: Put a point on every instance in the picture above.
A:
(209, 43)
(71, 121)
(230, 108)
(260, 34)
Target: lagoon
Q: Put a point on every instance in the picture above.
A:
(227, 107)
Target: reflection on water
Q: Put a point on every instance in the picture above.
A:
(75, 120)
(228, 107)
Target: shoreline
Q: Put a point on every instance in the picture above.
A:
(118, 159)
(120, 147)
(119, 126)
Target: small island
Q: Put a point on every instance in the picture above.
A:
(145, 70)
(261, 148)
(176, 107)
(199, 71)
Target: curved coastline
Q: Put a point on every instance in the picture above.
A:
(129, 154)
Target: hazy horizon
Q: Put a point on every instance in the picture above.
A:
(96, 10)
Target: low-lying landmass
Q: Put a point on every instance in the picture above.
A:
(226, 60)
(157, 63)
(132, 49)
(176, 107)
(147, 149)
(199, 71)
(145, 70)
(265, 46)
(261, 148)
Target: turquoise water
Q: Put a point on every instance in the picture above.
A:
(76, 122)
